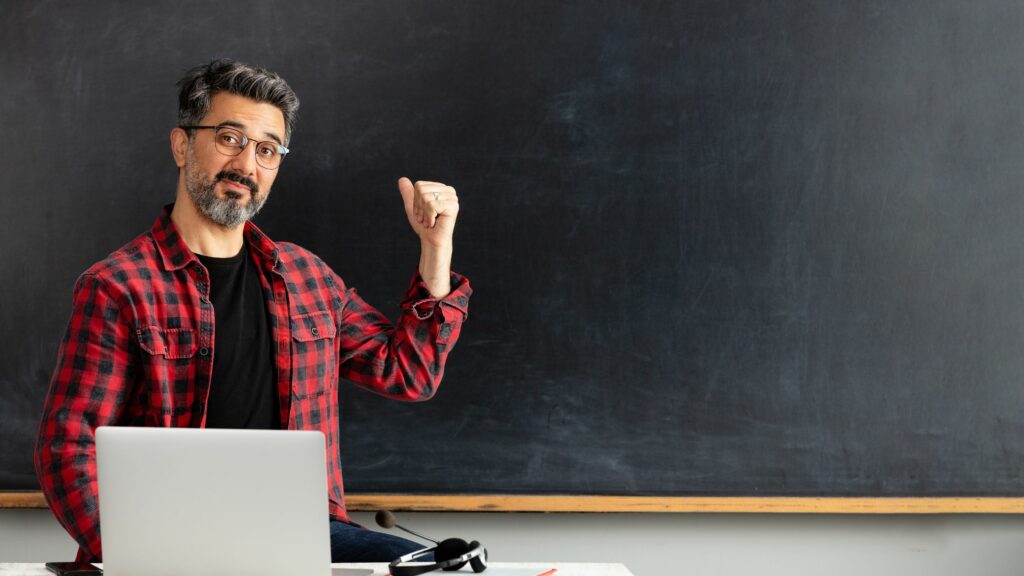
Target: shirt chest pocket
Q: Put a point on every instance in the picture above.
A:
(171, 343)
(314, 357)
(167, 372)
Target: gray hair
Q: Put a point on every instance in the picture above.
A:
(199, 85)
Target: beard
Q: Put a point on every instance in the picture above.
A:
(228, 212)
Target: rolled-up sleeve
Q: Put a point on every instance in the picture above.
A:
(404, 360)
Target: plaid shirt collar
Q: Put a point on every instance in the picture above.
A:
(175, 254)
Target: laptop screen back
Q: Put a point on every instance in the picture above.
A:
(209, 502)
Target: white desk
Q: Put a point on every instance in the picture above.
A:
(494, 569)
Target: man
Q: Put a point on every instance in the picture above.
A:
(203, 321)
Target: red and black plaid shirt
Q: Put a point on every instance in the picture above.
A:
(140, 343)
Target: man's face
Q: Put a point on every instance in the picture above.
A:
(229, 190)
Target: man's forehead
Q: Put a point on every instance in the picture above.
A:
(260, 118)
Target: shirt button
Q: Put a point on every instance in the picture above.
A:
(315, 331)
(204, 351)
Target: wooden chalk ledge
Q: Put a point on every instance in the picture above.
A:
(563, 503)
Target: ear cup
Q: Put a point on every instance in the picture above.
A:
(451, 548)
(478, 562)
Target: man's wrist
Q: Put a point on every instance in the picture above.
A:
(436, 269)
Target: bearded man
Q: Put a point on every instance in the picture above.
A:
(204, 321)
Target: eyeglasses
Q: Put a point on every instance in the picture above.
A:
(231, 141)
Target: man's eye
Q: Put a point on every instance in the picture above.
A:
(268, 151)
(229, 139)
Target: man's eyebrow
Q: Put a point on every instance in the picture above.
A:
(233, 124)
(242, 127)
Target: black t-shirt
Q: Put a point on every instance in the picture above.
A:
(243, 393)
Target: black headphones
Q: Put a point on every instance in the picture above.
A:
(450, 554)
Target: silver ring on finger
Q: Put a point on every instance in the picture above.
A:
(437, 196)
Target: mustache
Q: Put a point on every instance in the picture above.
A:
(236, 177)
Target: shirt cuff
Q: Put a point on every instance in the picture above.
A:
(452, 308)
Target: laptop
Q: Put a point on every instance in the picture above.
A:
(204, 502)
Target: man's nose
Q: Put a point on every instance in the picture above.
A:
(245, 161)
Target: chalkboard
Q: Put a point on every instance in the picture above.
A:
(719, 248)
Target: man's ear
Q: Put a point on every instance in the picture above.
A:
(179, 146)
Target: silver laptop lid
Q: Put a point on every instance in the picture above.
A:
(177, 501)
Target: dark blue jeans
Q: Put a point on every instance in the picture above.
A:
(351, 543)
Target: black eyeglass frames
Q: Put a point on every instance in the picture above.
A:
(231, 141)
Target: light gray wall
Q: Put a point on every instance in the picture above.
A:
(668, 544)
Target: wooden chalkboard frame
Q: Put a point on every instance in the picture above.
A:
(647, 504)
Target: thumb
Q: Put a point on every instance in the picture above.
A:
(408, 193)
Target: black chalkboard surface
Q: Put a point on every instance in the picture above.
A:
(719, 247)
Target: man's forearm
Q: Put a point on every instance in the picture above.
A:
(436, 269)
